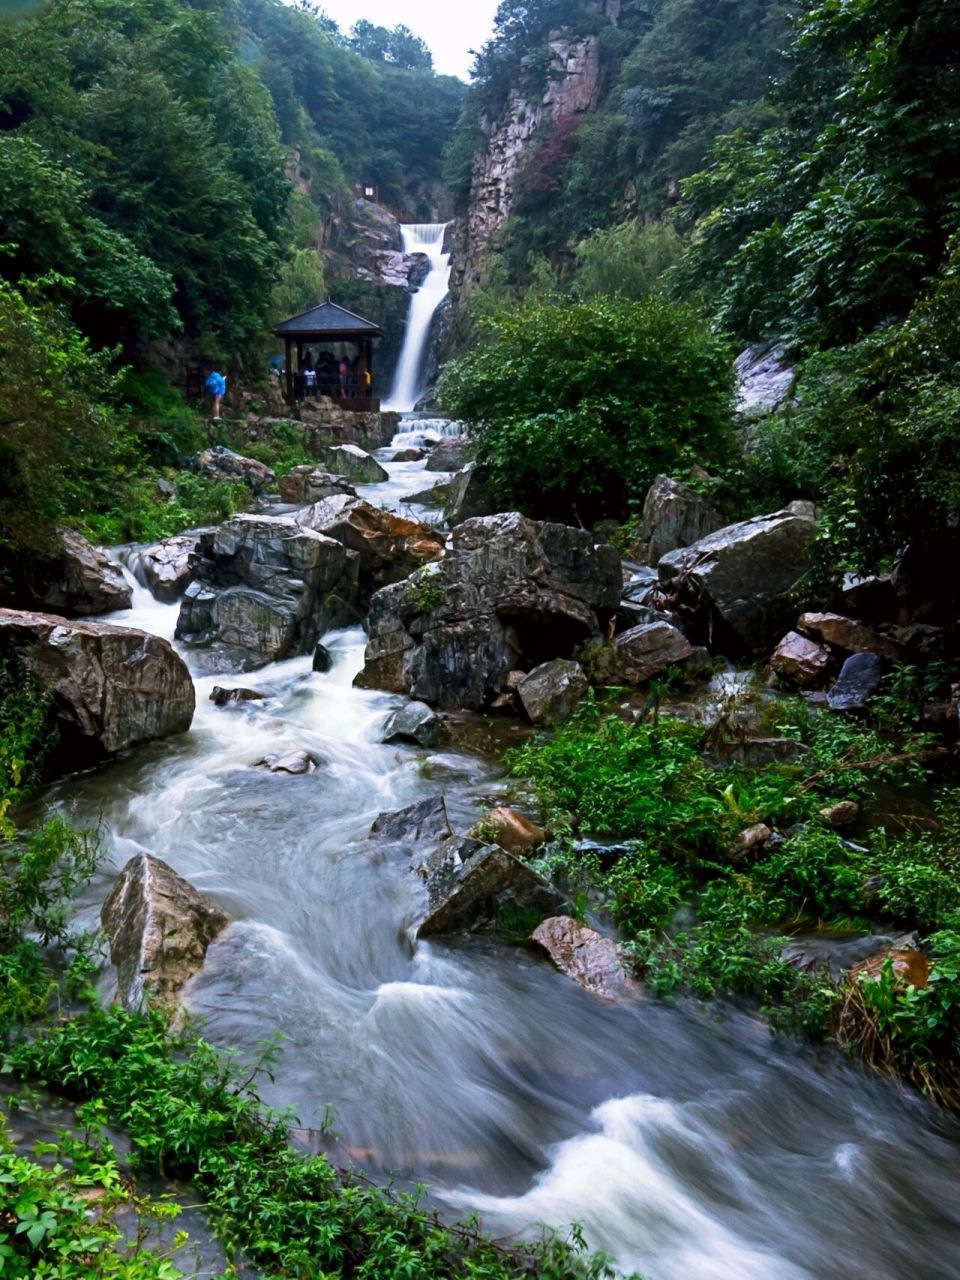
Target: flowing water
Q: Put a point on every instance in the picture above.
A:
(689, 1143)
(427, 238)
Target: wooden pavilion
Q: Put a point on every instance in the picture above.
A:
(323, 338)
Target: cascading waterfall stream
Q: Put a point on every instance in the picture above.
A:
(427, 238)
(691, 1144)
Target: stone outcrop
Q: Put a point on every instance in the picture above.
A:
(159, 928)
(306, 484)
(414, 722)
(738, 583)
(72, 579)
(549, 694)
(765, 379)
(673, 516)
(509, 592)
(468, 495)
(353, 463)
(858, 681)
(585, 956)
(845, 633)
(637, 655)
(221, 463)
(450, 453)
(326, 423)
(480, 888)
(389, 547)
(801, 660)
(111, 687)
(264, 588)
(423, 823)
(165, 567)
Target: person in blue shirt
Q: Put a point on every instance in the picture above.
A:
(216, 385)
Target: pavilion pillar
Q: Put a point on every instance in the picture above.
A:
(287, 368)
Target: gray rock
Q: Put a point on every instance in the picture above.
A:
(746, 574)
(111, 687)
(408, 455)
(415, 722)
(468, 495)
(765, 379)
(225, 697)
(585, 956)
(550, 693)
(351, 462)
(508, 592)
(165, 567)
(451, 453)
(295, 762)
(266, 588)
(305, 484)
(221, 463)
(798, 659)
(858, 681)
(322, 661)
(72, 579)
(637, 655)
(424, 823)
(474, 887)
(674, 515)
(436, 496)
(159, 928)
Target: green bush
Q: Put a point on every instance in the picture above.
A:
(577, 406)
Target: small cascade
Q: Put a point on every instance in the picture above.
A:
(420, 237)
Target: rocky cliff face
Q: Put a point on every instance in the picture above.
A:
(573, 84)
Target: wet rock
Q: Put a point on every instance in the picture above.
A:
(847, 634)
(451, 453)
(606, 854)
(306, 484)
(224, 697)
(910, 967)
(642, 586)
(351, 462)
(474, 887)
(741, 580)
(550, 693)
(764, 379)
(840, 956)
(468, 495)
(674, 515)
(414, 722)
(637, 655)
(111, 687)
(71, 579)
(418, 825)
(389, 547)
(754, 753)
(858, 681)
(165, 567)
(436, 496)
(266, 588)
(221, 463)
(509, 592)
(408, 455)
(512, 831)
(843, 814)
(322, 661)
(801, 660)
(585, 956)
(294, 762)
(159, 928)
(750, 842)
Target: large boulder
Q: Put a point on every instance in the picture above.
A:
(265, 587)
(739, 583)
(480, 888)
(110, 687)
(159, 928)
(550, 692)
(351, 462)
(637, 655)
(674, 515)
(451, 453)
(221, 463)
(509, 592)
(389, 547)
(71, 578)
(858, 681)
(848, 634)
(414, 722)
(585, 956)
(305, 484)
(468, 495)
(165, 567)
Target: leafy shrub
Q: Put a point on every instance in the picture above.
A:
(578, 406)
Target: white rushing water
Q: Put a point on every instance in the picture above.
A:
(420, 237)
(689, 1143)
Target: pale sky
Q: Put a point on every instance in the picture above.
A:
(448, 27)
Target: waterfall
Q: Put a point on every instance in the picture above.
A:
(420, 237)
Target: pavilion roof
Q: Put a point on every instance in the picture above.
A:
(328, 320)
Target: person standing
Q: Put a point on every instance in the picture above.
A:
(216, 385)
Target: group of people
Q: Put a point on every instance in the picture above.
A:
(331, 376)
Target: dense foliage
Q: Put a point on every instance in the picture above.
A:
(579, 406)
